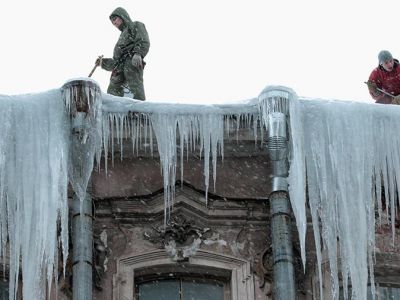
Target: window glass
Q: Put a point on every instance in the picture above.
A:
(180, 289)
(202, 291)
(159, 290)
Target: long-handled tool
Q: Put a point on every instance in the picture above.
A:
(96, 65)
(378, 89)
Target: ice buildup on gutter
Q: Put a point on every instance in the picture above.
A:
(348, 151)
(345, 152)
(82, 99)
(33, 188)
(175, 126)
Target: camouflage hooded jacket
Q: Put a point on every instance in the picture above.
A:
(133, 39)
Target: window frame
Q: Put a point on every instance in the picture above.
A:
(240, 279)
(184, 277)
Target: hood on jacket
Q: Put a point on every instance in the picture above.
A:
(123, 14)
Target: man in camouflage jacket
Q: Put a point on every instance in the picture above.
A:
(127, 62)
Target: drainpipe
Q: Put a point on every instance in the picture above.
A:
(282, 248)
(82, 239)
(81, 99)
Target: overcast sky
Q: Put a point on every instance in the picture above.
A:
(206, 51)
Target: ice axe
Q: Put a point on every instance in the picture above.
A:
(96, 65)
(378, 89)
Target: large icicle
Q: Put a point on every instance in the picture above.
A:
(165, 127)
(348, 147)
(33, 187)
(83, 101)
(208, 128)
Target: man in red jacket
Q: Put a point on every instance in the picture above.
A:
(384, 81)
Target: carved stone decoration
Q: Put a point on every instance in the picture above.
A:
(265, 268)
(100, 251)
(300, 271)
(243, 242)
(181, 238)
(65, 276)
(99, 263)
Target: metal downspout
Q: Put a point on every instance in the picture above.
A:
(282, 248)
(82, 239)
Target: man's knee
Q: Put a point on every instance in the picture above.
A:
(134, 80)
(115, 90)
(138, 91)
(135, 85)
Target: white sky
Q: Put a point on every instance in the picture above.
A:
(206, 51)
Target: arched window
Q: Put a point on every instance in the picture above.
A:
(205, 275)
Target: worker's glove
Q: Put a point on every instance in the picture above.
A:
(396, 100)
(137, 61)
(373, 88)
(99, 60)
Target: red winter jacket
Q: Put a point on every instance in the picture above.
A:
(387, 81)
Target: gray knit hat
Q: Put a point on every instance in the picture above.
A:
(383, 56)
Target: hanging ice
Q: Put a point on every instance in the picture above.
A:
(284, 100)
(348, 151)
(344, 151)
(33, 187)
(190, 126)
(83, 102)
